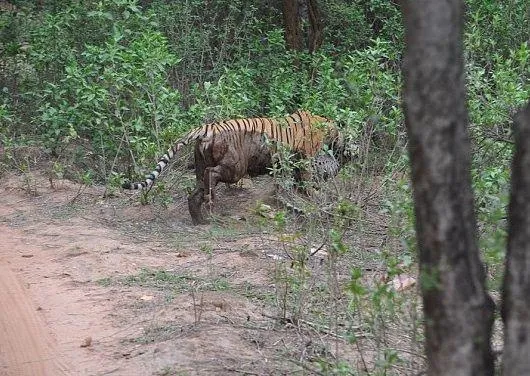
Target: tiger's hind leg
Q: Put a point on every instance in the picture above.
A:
(210, 179)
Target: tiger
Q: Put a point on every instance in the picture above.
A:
(226, 151)
(325, 166)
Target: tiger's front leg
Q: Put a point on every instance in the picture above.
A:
(195, 201)
(204, 193)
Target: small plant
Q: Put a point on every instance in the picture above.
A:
(160, 279)
(158, 333)
(169, 371)
(104, 282)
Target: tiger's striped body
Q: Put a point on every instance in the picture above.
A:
(228, 150)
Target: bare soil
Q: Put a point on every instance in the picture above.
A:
(106, 286)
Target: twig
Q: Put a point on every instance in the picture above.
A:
(306, 367)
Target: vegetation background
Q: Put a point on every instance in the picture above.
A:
(102, 87)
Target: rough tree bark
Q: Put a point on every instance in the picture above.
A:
(291, 22)
(458, 311)
(315, 34)
(516, 291)
(293, 30)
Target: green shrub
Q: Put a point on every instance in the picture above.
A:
(494, 28)
(115, 95)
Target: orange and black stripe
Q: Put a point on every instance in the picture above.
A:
(301, 131)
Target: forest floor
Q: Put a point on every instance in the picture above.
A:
(92, 285)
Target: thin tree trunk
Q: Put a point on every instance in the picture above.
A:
(458, 311)
(316, 26)
(291, 21)
(516, 292)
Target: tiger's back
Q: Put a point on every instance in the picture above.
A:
(302, 132)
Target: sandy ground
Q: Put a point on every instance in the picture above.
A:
(67, 308)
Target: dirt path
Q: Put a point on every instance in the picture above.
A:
(27, 348)
(57, 318)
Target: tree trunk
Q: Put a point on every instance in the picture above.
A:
(292, 10)
(316, 27)
(291, 21)
(516, 291)
(458, 311)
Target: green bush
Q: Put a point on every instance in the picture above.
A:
(495, 95)
(494, 28)
(116, 95)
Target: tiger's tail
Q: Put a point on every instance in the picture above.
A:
(163, 162)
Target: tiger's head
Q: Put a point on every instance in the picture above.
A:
(335, 142)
